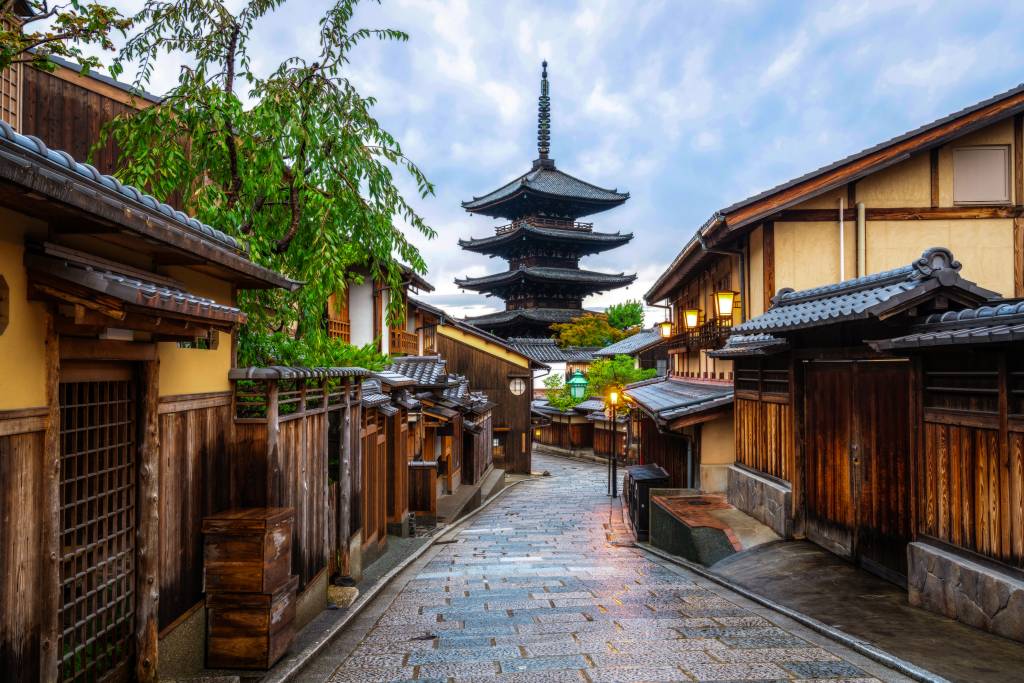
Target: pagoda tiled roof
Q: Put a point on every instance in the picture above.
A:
(582, 241)
(546, 181)
(539, 315)
(547, 274)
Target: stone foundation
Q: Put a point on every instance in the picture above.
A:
(767, 501)
(955, 586)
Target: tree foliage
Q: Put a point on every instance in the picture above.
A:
(33, 30)
(291, 161)
(258, 349)
(590, 329)
(626, 315)
(606, 374)
(558, 393)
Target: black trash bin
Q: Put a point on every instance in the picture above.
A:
(640, 479)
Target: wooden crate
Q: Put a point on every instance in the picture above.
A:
(249, 630)
(248, 550)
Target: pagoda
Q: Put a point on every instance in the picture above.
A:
(543, 242)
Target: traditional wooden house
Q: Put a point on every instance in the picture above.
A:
(493, 366)
(567, 431)
(958, 181)
(554, 359)
(648, 349)
(116, 335)
(825, 439)
(543, 243)
(358, 315)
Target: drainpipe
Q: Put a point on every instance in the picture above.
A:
(743, 271)
(842, 243)
(862, 265)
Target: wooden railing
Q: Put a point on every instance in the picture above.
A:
(430, 339)
(403, 342)
(545, 223)
(339, 329)
(709, 335)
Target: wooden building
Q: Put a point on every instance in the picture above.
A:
(567, 431)
(117, 320)
(493, 366)
(543, 243)
(957, 181)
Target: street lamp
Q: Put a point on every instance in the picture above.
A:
(613, 466)
(577, 385)
(725, 301)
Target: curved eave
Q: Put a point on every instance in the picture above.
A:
(583, 242)
(494, 208)
(512, 277)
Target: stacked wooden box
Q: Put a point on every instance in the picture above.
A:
(250, 592)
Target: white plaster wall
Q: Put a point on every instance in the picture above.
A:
(360, 310)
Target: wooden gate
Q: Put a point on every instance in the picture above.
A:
(98, 437)
(857, 473)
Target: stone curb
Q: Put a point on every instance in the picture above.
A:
(859, 646)
(291, 667)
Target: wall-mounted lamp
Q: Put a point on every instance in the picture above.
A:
(725, 302)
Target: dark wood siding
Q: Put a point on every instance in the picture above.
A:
(491, 375)
(764, 417)
(671, 451)
(603, 439)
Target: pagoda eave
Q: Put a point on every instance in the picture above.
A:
(561, 277)
(533, 202)
(578, 241)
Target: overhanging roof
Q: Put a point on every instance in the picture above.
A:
(667, 400)
(635, 343)
(588, 279)
(994, 323)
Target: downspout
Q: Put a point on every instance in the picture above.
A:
(842, 243)
(862, 265)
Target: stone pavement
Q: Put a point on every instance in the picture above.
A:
(537, 589)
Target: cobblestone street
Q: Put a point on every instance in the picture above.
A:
(537, 589)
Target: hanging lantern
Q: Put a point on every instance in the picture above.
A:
(725, 302)
(577, 385)
(691, 318)
(665, 329)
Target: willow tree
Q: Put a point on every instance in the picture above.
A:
(292, 160)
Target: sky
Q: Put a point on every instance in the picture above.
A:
(688, 106)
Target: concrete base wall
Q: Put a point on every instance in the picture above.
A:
(182, 651)
(955, 586)
(767, 501)
(714, 478)
(311, 601)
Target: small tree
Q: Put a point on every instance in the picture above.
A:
(626, 315)
(559, 396)
(590, 329)
(615, 373)
(68, 27)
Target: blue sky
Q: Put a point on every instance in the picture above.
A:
(689, 106)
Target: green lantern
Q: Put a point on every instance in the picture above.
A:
(577, 385)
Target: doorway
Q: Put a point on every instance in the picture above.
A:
(857, 462)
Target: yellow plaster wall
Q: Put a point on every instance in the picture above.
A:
(717, 446)
(984, 247)
(1000, 133)
(905, 184)
(827, 200)
(755, 287)
(195, 371)
(807, 254)
(22, 352)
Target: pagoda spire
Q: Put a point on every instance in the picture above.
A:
(544, 115)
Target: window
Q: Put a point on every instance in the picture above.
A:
(981, 175)
(517, 386)
(207, 342)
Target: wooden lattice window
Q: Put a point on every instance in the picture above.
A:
(10, 95)
(97, 499)
(338, 321)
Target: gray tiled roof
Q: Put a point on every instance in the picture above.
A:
(548, 274)
(373, 394)
(631, 344)
(543, 315)
(425, 371)
(36, 146)
(393, 379)
(586, 241)
(862, 297)
(746, 345)
(549, 181)
(276, 372)
(666, 399)
(995, 323)
(548, 351)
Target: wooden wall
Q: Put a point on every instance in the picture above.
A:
(763, 417)
(491, 375)
(21, 530)
(970, 479)
(398, 465)
(193, 468)
(478, 451)
(560, 433)
(670, 451)
(603, 439)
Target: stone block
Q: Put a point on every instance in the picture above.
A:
(767, 501)
(980, 595)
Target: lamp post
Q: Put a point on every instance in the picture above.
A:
(577, 385)
(613, 466)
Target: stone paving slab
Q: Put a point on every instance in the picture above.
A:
(537, 589)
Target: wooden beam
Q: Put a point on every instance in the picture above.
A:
(1018, 159)
(147, 549)
(76, 348)
(924, 213)
(1018, 256)
(851, 194)
(934, 176)
(768, 266)
(49, 655)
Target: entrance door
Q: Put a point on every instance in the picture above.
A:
(857, 464)
(98, 437)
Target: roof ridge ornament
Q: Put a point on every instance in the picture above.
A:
(934, 260)
(543, 115)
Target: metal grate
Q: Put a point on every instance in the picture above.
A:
(97, 497)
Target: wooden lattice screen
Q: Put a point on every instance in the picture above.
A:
(97, 497)
(10, 95)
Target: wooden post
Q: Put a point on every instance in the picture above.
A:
(344, 480)
(49, 653)
(147, 572)
(274, 494)
(768, 258)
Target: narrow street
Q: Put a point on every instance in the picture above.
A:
(537, 589)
